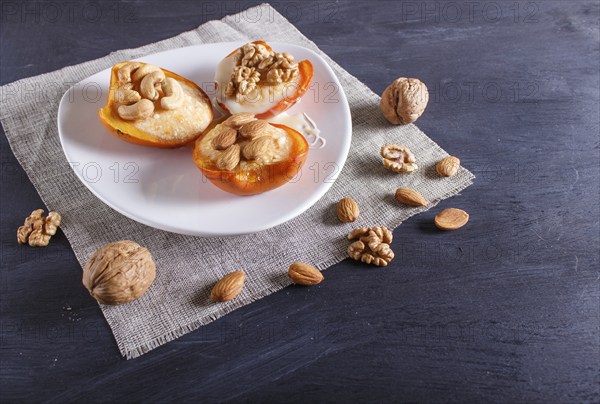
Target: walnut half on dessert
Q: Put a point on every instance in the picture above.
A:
(256, 79)
(151, 106)
(246, 156)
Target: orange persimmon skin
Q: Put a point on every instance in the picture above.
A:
(261, 177)
(126, 131)
(306, 71)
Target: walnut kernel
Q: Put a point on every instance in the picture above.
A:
(254, 64)
(37, 229)
(373, 246)
(398, 158)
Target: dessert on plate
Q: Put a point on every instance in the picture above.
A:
(256, 79)
(244, 155)
(151, 106)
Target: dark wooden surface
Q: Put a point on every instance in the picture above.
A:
(503, 310)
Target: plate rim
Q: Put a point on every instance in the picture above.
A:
(297, 211)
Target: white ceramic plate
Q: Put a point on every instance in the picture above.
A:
(164, 189)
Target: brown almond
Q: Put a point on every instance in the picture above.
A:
(255, 129)
(347, 210)
(257, 148)
(225, 139)
(237, 120)
(304, 274)
(451, 219)
(448, 166)
(228, 287)
(229, 159)
(410, 197)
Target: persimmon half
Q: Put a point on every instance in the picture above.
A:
(246, 171)
(255, 79)
(150, 106)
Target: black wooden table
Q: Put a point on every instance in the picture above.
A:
(504, 310)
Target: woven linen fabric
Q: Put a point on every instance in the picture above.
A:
(178, 301)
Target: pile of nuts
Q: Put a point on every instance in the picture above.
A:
(255, 63)
(373, 246)
(244, 127)
(140, 85)
(122, 271)
(402, 103)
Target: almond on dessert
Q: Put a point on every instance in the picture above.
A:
(245, 156)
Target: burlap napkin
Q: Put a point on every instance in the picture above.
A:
(178, 301)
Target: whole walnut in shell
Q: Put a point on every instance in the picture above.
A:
(404, 101)
(119, 272)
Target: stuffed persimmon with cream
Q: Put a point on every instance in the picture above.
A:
(151, 106)
(246, 156)
(256, 79)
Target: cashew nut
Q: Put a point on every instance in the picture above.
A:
(143, 71)
(124, 72)
(140, 110)
(149, 84)
(127, 96)
(173, 94)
